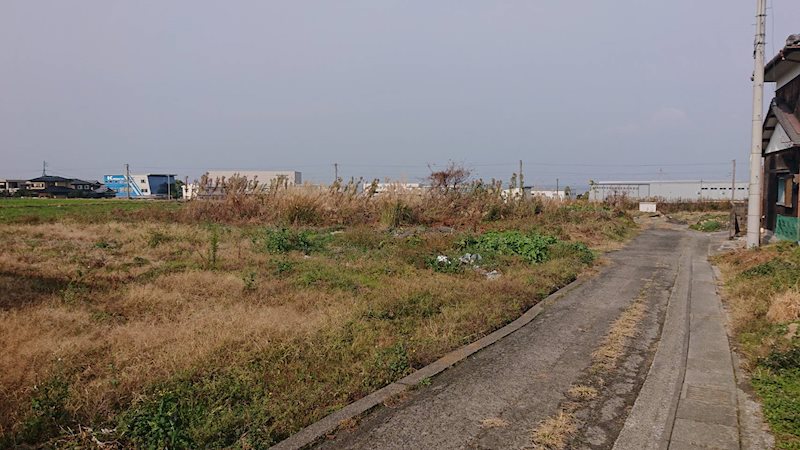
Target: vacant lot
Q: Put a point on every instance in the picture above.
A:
(764, 300)
(236, 323)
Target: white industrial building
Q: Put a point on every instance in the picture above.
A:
(264, 177)
(394, 186)
(667, 190)
(258, 181)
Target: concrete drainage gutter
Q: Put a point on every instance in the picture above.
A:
(330, 423)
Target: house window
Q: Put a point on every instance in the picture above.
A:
(144, 191)
(785, 190)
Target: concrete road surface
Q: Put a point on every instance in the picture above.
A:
(500, 396)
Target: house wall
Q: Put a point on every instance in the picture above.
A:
(777, 165)
(791, 74)
(790, 94)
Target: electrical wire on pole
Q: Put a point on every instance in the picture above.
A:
(754, 194)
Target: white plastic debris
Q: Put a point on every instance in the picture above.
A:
(493, 275)
(442, 259)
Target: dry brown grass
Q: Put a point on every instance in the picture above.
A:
(582, 393)
(784, 307)
(554, 432)
(493, 422)
(623, 329)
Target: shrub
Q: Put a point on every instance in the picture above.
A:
(284, 240)
(396, 213)
(533, 248)
(303, 210)
(707, 226)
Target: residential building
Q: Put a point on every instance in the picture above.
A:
(149, 185)
(691, 190)
(45, 182)
(781, 140)
(9, 186)
(56, 186)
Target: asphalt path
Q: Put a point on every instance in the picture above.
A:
(498, 396)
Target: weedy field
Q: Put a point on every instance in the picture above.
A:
(238, 322)
(763, 298)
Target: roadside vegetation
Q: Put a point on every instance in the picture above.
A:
(764, 300)
(237, 322)
(710, 223)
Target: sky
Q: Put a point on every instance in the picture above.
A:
(577, 90)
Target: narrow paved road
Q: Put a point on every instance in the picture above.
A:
(496, 398)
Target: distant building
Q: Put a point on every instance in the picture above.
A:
(9, 186)
(264, 177)
(394, 187)
(216, 182)
(529, 192)
(55, 186)
(560, 194)
(667, 190)
(150, 185)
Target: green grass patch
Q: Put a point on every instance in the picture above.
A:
(33, 211)
(284, 240)
(707, 226)
(779, 390)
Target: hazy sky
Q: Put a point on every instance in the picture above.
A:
(623, 89)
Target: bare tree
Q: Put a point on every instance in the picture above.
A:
(450, 178)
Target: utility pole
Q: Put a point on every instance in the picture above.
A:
(335, 172)
(128, 180)
(733, 219)
(169, 187)
(754, 193)
(557, 188)
(519, 180)
(44, 168)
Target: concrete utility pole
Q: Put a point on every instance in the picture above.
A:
(44, 168)
(128, 180)
(519, 180)
(754, 194)
(732, 224)
(335, 171)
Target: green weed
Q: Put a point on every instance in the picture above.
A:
(707, 226)
(48, 412)
(284, 240)
(779, 390)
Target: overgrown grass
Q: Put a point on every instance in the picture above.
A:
(237, 334)
(764, 300)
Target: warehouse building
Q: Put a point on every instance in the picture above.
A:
(264, 177)
(149, 185)
(667, 190)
